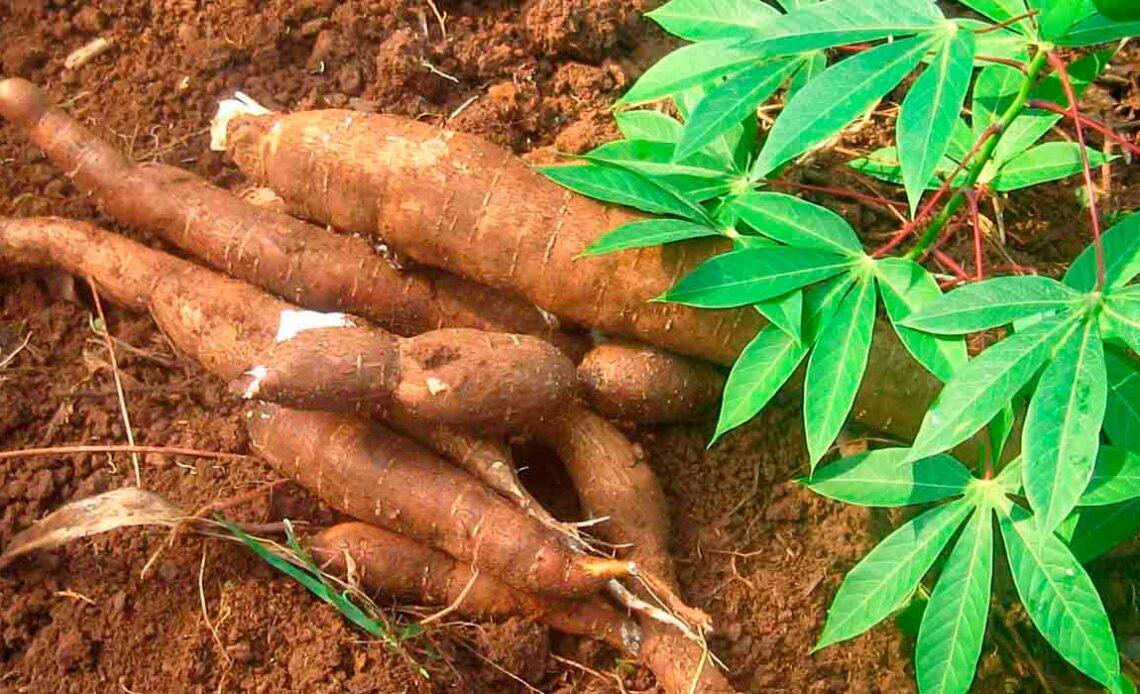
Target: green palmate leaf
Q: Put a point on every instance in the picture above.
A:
(1033, 124)
(929, 111)
(759, 373)
(1121, 256)
(1051, 161)
(950, 638)
(741, 278)
(886, 576)
(836, 368)
(821, 302)
(785, 312)
(689, 66)
(1098, 529)
(1000, 429)
(906, 288)
(702, 20)
(1062, 427)
(621, 187)
(1009, 479)
(994, 91)
(981, 388)
(1122, 417)
(648, 232)
(649, 125)
(1001, 11)
(837, 22)
(831, 101)
(1115, 479)
(1059, 597)
(797, 222)
(730, 103)
(1098, 29)
(883, 164)
(699, 177)
(1056, 16)
(1121, 317)
(883, 479)
(995, 43)
(726, 145)
(991, 304)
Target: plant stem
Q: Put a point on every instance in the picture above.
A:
(1088, 122)
(1070, 95)
(985, 152)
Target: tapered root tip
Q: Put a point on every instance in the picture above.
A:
(21, 102)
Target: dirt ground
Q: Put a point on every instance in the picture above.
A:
(759, 554)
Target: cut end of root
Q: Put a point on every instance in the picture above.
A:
(256, 375)
(295, 322)
(228, 109)
(609, 568)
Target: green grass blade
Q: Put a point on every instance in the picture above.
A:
(1115, 479)
(1051, 161)
(741, 278)
(1062, 427)
(730, 103)
(704, 20)
(981, 388)
(689, 66)
(1122, 417)
(758, 374)
(797, 222)
(992, 304)
(836, 368)
(833, 100)
(950, 638)
(648, 232)
(1059, 597)
(883, 479)
(906, 287)
(929, 111)
(890, 572)
(1121, 256)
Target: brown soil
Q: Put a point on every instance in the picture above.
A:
(762, 556)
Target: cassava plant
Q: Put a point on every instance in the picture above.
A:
(1061, 364)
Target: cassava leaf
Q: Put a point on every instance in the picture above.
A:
(1062, 426)
(723, 147)
(730, 103)
(1122, 416)
(991, 304)
(929, 111)
(836, 368)
(1098, 529)
(1000, 10)
(689, 66)
(831, 101)
(1097, 29)
(983, 386)
(749, 276)
(648, 232)
(1120, 318)
(906, 288)
(837, 22)
(647, 124)
(1059, 597)
(797, 222)
(812, 65)
(1055, 16)
(883, 479)
(619, 186)
(1121, 255)
(703, 20)
(994, 43)
(758, 374)
(785, 312)
(1051, 161)
(1115, 479)
(890, 572)
(994, 90)
(950, 638)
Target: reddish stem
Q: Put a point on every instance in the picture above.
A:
(1009, 22)
(951, 265)
(839, 192)
(1089, 122)
(976, 223)
(1071, 96)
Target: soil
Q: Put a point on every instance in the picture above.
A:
(128, 611)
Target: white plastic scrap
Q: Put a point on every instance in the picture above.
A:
(241, 105)
(294, 322)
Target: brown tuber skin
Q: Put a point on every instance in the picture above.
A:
(457, 202)
(394, 565)
(300, 262)
(374, 475)
(643, 385)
